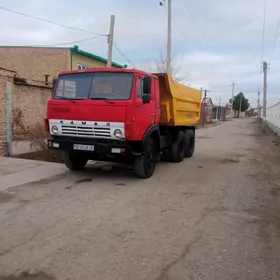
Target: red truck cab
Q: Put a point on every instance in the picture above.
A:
(107, 114)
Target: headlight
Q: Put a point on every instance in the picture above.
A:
(54, 129)
(118, 133)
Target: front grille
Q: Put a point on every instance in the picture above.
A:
(86, 131)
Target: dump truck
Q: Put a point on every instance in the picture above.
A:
(122, 115)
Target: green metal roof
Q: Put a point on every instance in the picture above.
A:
(76, 49)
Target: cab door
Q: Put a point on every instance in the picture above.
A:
(145, 112)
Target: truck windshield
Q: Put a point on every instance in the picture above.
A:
(94, 85)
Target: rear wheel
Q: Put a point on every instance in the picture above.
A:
(166, 155)
(178, 148)
(74, 161)
(190, 143)
(146, 163)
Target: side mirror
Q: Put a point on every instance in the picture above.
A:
(146, 98)
(147, 82)
(54, 83)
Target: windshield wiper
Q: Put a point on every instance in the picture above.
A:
(70, 99)
(102, 98)
(65, 98)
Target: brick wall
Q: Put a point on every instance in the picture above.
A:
(34, 63)
(31, 100)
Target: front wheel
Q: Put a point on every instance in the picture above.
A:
(146, 163)
(74, 161)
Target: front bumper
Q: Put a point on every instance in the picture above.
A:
(94, 148)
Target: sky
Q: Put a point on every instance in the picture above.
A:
(213, 42)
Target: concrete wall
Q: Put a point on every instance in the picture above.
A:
(235, 114)
(2, 108)
(34, 63)
(4, 76)
(242, 115)
(273, 117)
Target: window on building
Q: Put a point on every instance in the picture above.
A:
(81, 67)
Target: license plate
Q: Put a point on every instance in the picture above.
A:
(83, 147)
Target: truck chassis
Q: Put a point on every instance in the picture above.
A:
(171, 144)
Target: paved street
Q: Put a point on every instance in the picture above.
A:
(215, 216)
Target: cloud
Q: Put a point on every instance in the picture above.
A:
(213, 42)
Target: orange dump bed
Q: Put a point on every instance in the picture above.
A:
(180, 104)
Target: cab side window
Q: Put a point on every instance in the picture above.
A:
(139, 93)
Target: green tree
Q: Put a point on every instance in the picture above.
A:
(236, 102)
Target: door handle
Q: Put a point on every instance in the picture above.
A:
(153, 114)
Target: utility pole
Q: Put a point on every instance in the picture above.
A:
(259, 105)
(169, 35)
(205, 93)
(240, 103)
(169, 32)
(220, 109)
(231, 110)
(204, 111)
(264, 92)
(111, 41)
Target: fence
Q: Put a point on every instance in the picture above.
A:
(273, 117)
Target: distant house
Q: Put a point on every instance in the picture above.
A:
(206, 110)
(208, 101)
(36, 62)
(215, 112)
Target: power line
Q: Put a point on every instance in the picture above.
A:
(200, 46)
(123, 55)
(68, 43)
(205, 46)
(263, 32)
(263, 36)
(194, 23)
(275, 39)
(50, 22)
(213, 60)
(200, 33)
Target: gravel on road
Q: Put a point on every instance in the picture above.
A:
(214, 216)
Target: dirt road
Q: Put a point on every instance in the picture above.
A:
(215, 216)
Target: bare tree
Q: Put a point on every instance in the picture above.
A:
(161, 67)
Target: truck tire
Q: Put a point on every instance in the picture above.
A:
(74, 162)
(145, 164)
(178, 148)
(166, 155)
(190, 143)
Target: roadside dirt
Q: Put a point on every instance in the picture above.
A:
(41, 156)
(28, 275)
(267, 177)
